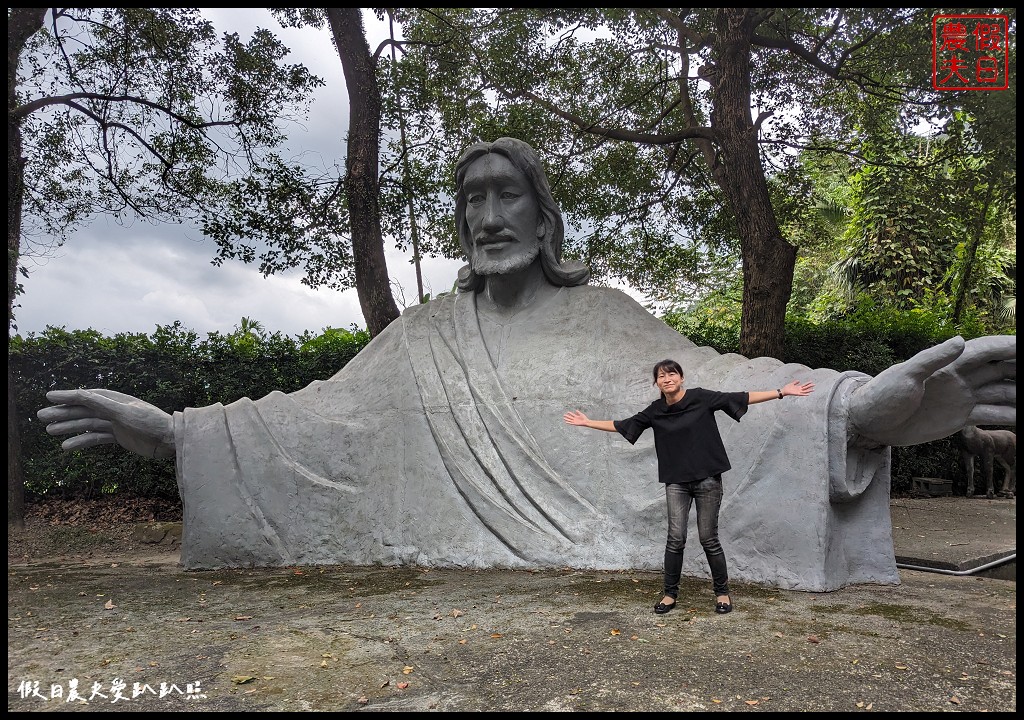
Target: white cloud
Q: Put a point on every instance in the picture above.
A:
(116, 279)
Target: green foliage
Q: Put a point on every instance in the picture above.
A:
(172, 369)
(917, 222)
(901, 231)
(869, 339)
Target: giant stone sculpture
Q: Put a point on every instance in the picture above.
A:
(442, 442)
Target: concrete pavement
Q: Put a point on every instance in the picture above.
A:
(412, 639)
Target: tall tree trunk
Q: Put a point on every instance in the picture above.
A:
(361, 169)
(971, 255)
(768, 259)
(22, 23)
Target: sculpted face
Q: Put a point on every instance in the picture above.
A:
(503, 216)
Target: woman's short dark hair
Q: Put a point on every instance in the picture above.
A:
(667, 366)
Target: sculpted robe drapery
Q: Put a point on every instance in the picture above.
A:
(436, 447)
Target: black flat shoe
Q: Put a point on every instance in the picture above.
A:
(662, 608)
(722, 608)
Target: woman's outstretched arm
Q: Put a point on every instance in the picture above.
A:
(575, 417)
(794, 388)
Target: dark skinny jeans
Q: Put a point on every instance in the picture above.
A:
(708, 495)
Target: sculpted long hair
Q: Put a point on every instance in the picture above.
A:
(522, 156)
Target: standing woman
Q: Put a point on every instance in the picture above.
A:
(691, 460)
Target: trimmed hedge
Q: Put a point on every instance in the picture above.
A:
(173, 369)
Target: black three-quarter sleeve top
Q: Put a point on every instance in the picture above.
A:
(686, 436)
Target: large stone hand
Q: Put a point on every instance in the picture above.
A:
(99, 417)
(938, 391)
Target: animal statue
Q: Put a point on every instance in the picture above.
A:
(990, 445)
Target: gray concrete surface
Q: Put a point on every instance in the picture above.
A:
(412, 639)
(954, 534)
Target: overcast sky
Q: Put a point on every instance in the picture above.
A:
(131, 279)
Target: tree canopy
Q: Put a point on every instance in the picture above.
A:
(664, 129)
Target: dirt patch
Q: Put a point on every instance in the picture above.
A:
(72, 530)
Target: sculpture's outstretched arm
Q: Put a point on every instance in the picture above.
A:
(937, 392)
(99, 417)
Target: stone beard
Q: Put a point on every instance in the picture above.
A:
(483, 265)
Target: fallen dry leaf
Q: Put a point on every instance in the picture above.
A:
(955, 700)
(751, 702)
(497, 635)
(242, 679)
(109, 605)
(616, 632)
(363, 700)
(456, 612)
(243, 617)
(900, 666)
(715, 700)
(860, 704)
(407, 669)
(323, 663)
(813, 639)
(403, 685)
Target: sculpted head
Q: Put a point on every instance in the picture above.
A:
(506, 215)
